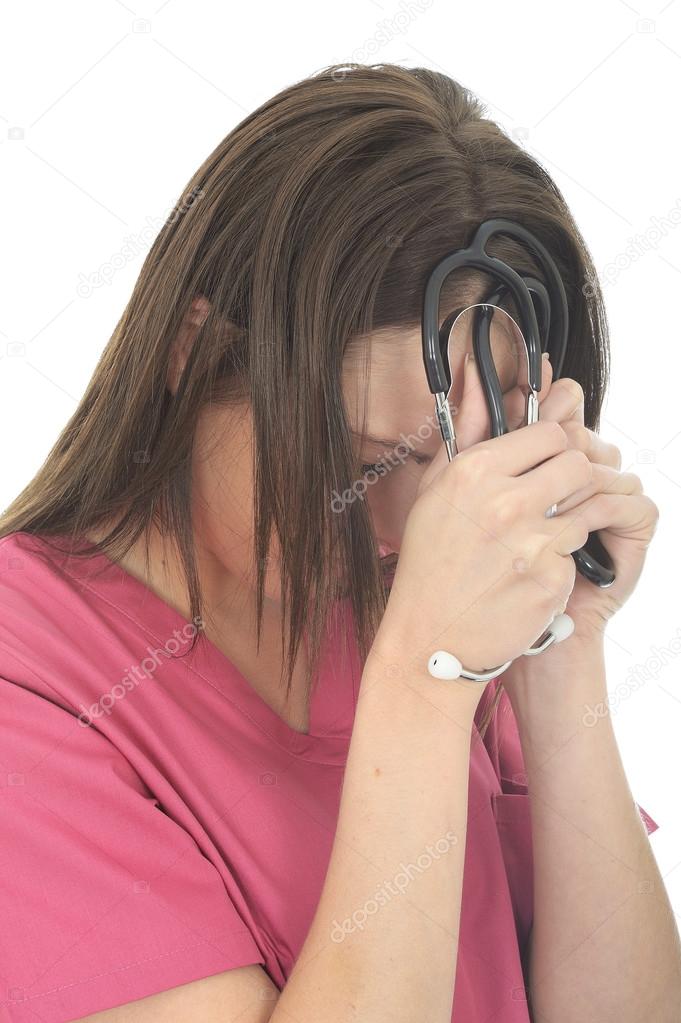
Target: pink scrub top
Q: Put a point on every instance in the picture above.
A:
(161, 823)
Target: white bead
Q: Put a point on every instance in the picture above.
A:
(444, 665)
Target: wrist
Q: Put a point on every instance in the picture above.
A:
(559, 683)
(394, 662)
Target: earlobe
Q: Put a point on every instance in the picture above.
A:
(198, 311)
(186, 335)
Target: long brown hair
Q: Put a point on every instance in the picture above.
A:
(314, 222)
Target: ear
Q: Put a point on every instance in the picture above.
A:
(186, 335)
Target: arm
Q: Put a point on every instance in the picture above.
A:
(394, 962)
(409, 764)
(604, 942)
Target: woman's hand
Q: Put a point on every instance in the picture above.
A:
(613, 502)
(614, 505)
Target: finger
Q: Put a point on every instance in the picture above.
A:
(515, 402)
(632, 515)
(605, 480)
(565, 405)
(546, 376)
(555, 479)
(470, 418)
(515, 454)
(471, 421)
(594, 447)
(564, 401)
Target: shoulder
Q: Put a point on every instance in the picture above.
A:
(31, 569)
(44, 624)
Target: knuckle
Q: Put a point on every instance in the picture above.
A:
(636, 482)
(530, 549)
(501, 510)
(536, 547)
(573, 389)
(558, 579)
(582, 465)
(580, 436)
(472, 464)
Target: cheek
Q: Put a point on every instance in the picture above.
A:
(222, 485)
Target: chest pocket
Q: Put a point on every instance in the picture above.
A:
(514, 826)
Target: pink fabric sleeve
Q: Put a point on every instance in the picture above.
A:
(104, 898)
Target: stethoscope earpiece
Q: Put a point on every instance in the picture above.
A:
(444, 665)
(560, 628)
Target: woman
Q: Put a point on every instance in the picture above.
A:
(234, 790)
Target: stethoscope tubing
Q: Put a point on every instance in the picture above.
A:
(543, 314)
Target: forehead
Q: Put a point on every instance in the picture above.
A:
(387, 370)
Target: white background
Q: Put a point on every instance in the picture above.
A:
(106, 110)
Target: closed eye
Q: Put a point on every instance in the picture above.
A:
(381, 468)
(376, 467)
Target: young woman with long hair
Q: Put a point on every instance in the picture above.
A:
(233, 789)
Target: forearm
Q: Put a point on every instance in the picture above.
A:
(604, 943)
(383, 942)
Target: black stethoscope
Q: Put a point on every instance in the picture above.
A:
(544, 327)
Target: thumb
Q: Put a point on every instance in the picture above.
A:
(471, 420)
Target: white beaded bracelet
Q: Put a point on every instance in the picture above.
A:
(444, 665)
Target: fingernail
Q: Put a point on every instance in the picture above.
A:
(545, 355)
